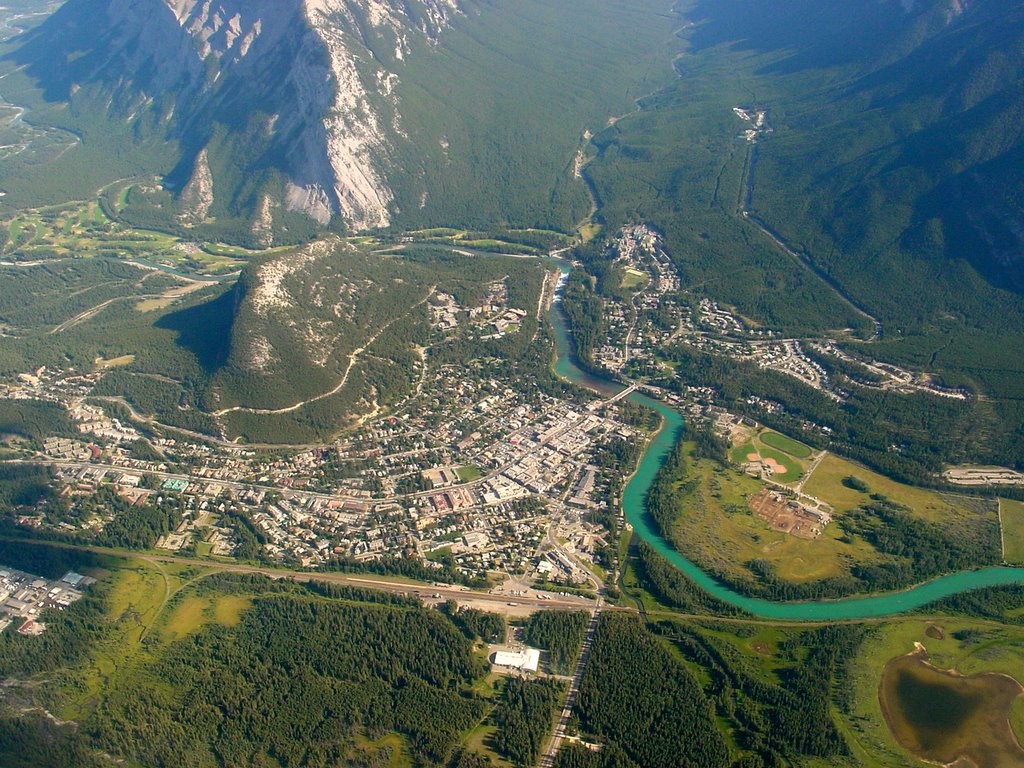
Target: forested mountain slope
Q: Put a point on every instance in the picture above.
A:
(891, 167)
(352, 113)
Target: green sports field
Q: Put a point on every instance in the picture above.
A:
(786, 444)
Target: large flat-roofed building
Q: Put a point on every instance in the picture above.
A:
(526, 660)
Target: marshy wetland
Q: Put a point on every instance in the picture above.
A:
(947, 718)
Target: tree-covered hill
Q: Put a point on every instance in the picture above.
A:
(891, 169)
(415, 113)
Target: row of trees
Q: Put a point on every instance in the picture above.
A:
(998, 603)
(477, 624)
(776, 718)
(918, 549)
(673, 588)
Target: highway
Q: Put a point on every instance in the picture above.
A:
(430, 593)
(547, 760)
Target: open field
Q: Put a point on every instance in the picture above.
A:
(468, 474)
(203, 549)
(210, 261)
(436, 232)
(170, 297)
(480, 740)
(138, 603)
(787, 469)
(741, 453)
(78, 229)
(394, 744)
(1011, 516)
(114, 362)
(228, 609)
(827, 484)
(788, 445)
(83, 230)
(718, 528)
(589, 232)
(489, 244)
(634, 279)
(794, 470)
(220, 250)
(187, 617)
(727, 522)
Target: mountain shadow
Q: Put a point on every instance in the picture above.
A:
(205, 329)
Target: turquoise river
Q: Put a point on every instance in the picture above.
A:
(635, 508)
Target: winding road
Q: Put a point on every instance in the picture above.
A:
(344, 379)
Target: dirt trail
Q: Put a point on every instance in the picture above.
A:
(344, 379)
(162, 299)
(92, 312)
(810, 471)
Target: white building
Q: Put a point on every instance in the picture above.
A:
(526, 660)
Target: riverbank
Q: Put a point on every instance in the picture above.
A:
(634, 503)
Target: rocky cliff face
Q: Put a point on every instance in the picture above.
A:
(298, 92)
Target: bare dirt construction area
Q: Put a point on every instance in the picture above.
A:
(945, 718)
(785, 515)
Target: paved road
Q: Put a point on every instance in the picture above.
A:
(547, 760)
(818, 272)
(431, 593)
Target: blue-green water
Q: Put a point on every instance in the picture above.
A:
(187, 275)
(634, 502)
